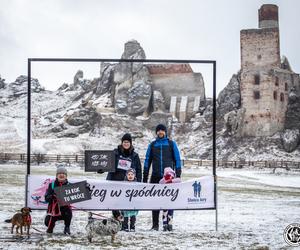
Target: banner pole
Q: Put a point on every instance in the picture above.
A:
(28, 127)
(214, 140)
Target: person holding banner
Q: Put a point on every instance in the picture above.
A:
(126, 158)
(161, 153)
(169, 177)
(56, 212)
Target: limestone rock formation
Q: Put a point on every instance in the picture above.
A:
(80, 82)
(19, 86)
(63, 87)
(158, 101)
(156, 118)
(290, 139)
(106, 81)
(292, 119)
(133, 50)
(132, 91)
(229, 98)
(234, 121)
(138, 98)
(2, 83)
(84, 118)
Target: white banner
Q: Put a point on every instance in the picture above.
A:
(108, 195)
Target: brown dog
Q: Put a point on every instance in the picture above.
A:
(21, 220)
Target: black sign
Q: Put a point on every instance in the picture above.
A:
(99, 160)
(72, 193)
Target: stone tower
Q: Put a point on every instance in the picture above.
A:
(264, 82)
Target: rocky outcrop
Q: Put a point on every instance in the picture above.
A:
(2, 83)
(82, 116)
(106, 81)
(19, 87)
(158, 101)
(290, 139)
(292, 119)
(80, 82)
(157, 118)
(127, 72)
(138, 98)
(230, 97)
(133, 50)
(234, 121)
(63, 87)
(84, 119)
(132, 80)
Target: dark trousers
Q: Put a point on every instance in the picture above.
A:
(132, 220)
(66, 216)
(155, 213)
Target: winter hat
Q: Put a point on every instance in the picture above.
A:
(130, 170)
(127, 137)
(169, 171)
(161, 127)
(61, 170)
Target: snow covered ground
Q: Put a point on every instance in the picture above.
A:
(254, 207)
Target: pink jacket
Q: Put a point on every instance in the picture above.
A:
(169, 177)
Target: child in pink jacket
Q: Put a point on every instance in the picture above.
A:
(169, 177)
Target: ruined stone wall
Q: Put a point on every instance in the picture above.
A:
(179, 84)
(260, 48)
(264, 114)
(169, 68)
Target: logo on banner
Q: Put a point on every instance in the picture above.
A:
(197, 193)
(38, 196)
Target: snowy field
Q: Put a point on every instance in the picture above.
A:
(254, 207)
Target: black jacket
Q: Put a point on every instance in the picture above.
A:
(50, 197)
(119, 174)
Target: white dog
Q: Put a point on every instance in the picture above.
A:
(102, 227)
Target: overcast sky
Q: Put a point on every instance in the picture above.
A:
(173, 29)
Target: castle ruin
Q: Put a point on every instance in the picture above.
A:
(265, 79)
(182, 88)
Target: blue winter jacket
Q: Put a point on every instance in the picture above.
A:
(162, 153)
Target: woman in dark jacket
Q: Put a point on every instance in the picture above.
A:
(56, 212)
(126, 158)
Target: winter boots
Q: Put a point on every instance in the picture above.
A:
(126, 222)
(67, 230)
(167, 227)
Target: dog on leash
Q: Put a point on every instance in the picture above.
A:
(102, 227)
(21, 220)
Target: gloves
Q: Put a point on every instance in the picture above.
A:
(88, 187)
(145, 177)
(178, 172)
